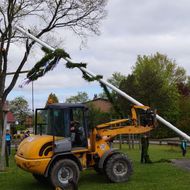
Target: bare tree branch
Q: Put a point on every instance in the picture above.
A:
(81, 16)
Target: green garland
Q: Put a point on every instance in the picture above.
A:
(85, 76)
(111, 100)
(90, 78)
(50, 60)
(70, 65)
(47, 63)
(46, 50)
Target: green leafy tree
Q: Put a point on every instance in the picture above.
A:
(116, 79)
(52, 98)
(184, 115)
(128, 85)
(184, 104)
(81, 97)
(184, 88)
(111, 95)
(96, 117)
(154, 82)
(20, 109)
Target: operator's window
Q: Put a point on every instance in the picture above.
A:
(78, 134)
(57, 125)
(41, 121)
(78, 115)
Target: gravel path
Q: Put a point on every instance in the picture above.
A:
(183, 163)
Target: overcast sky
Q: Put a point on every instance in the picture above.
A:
(132, 27)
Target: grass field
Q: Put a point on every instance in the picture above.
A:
(156, 176)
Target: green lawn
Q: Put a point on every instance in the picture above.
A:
(156, 176)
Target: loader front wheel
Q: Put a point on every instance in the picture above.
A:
(118, 168)
(64, 171)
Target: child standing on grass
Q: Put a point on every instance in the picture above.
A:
(184, 147)
(8, 142)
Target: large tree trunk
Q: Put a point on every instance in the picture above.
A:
(1, 117)
(3, 143)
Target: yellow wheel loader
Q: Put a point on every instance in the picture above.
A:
(63, 145)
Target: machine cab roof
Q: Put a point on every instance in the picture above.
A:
(65, 106)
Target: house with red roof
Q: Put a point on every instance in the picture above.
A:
(10, 117)
(10, 120)
(101, 104)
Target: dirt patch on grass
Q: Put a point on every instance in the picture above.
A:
(182, 163)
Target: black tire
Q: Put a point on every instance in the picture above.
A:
(70, 186)
(41, 179)
(98, 170)
(118, 168)
(63, 171)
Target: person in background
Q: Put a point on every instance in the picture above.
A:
(27, 134)
(144, 149)
(8, 142)
(184, 147)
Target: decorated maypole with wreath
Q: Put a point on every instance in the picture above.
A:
(52, 57)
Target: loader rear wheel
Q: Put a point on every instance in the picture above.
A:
(118, 168)
(64, 171)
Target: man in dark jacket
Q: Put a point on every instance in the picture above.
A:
(184, 147)
(8, 142)
(144, 149)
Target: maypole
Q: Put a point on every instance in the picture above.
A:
(126, 96)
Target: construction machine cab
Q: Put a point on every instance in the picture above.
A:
(63, 121)
(62, 145)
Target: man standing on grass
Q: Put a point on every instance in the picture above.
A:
(8, 142)
(144, 149)
(184, 147)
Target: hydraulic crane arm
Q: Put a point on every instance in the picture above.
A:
(159, 118)
(108, 134)
(138, 124)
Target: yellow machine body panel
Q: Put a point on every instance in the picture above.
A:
(101, 147)
(34, 153)
(33, 165)
(123, 130)
(103, 125)
(36, 147)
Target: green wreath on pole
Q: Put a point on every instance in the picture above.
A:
(49, 62)
(52, 58)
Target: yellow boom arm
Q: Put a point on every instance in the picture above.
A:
(111, 129)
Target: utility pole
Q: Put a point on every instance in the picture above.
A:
(33, 105)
